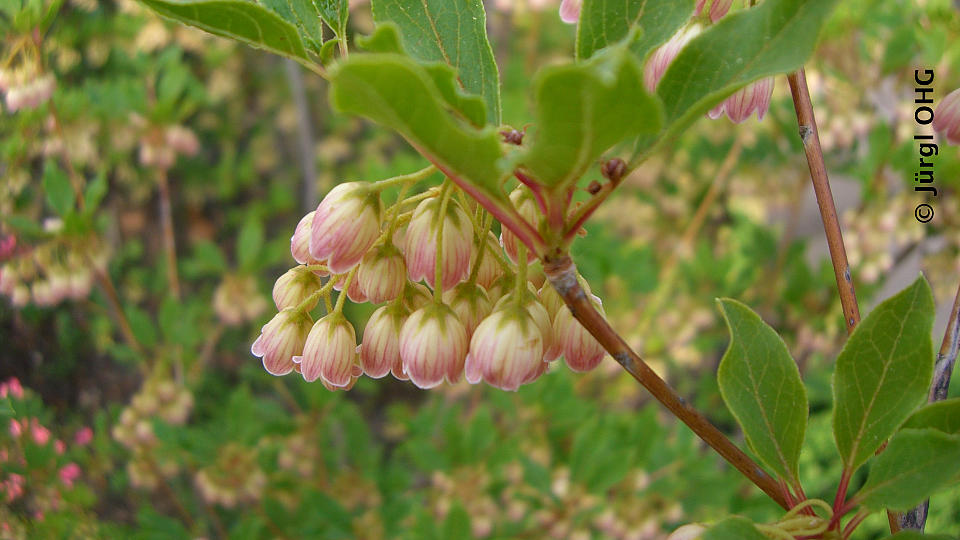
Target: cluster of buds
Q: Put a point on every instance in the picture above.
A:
(25, 87)
(30, 486)
(160, 145)
(158, 398)
(237, 301)
(52, 271)
(234, 478)
(455, 300)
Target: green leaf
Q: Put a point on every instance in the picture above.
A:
(333, 12)
(775, 37)
(760, 383)
(142, 325)
(96, 190)
(916, 464)
(454, 33)
(249, 242)
(942, 415)
(582, 110)
(605, 22)
(457, 524)
(243, 21)
(308, 17)
(6, 407)
(910, 534)
(883, 372)
(401, 94)
(733, 528)
(58, 189)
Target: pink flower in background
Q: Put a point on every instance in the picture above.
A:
(661, 58)
(11, 388)
(15, 429)
(570, 11)
(41, 435)
(59, 446)
(68, 473)
(84, 436)
(946, 117)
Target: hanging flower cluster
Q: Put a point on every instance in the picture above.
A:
(455, 300)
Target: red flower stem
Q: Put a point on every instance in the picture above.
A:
(562, 274)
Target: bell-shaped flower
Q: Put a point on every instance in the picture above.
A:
(300, 241)
(295, 286)
(330, 351)
(420, 243)
(506, 349)
(570, 11)
(346, 224)
(661, 58)
(523, 200)
(540, 317)
(470, 303)
(380, 349)
(354, 291)
(382, 273)
(581, 351)
(281, 339)
(433, 346)
(742, 103)
(490, 269)
(690, 531)
(718, 8)
(946, 117)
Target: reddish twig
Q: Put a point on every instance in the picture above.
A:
(169, 241)
(562, 274)
(821, 187)
(946, 358)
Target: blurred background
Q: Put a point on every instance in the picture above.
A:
(135, 408)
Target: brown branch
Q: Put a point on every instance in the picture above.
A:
(810, 137)
(110, 292)
(943, 369)
(169, 241)
(562, 274)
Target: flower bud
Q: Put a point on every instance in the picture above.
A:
(420, 243)
(718, 8)
(330, 351)
(380, 349)
(433, 346)
(550, 299)
(382, 273)
(300, 241)
(523, 200)
(470, 303)
(295, 286)
(581, 351)
(540, 316)
(415, 296)
(281, 339)
(740, 105)
(661, 58)
(346, 224)
(354, 292)
(570, 11)
(946, 117)
(505, 349)
(490, 269)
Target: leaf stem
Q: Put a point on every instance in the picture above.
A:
(562, 274)
(405, 178)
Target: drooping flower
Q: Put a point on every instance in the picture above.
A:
(433, 346)
(570, 11)
(690, 531)
(490, 269)
(380, 349)
(718, 8)
(506, 349)
(540, 317)
(471, 304)
(420, 243)
(346, 224)
(742, 103)
(661, 58)
(330, 351)
(382, 273)
(281, 339)
(946, 117)
(300, 241)
(523, 200)
(581, 351)
(295, 286)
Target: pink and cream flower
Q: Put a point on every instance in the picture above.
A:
(581, 351)
(281, 339)
(742, 103)
(346, 224)
(295, 286)
(420, 243)
(382, 273)
(330, 351)
(506, 349)
(380, 349)
(433, 346)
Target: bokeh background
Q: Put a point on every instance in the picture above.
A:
(165, 426)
